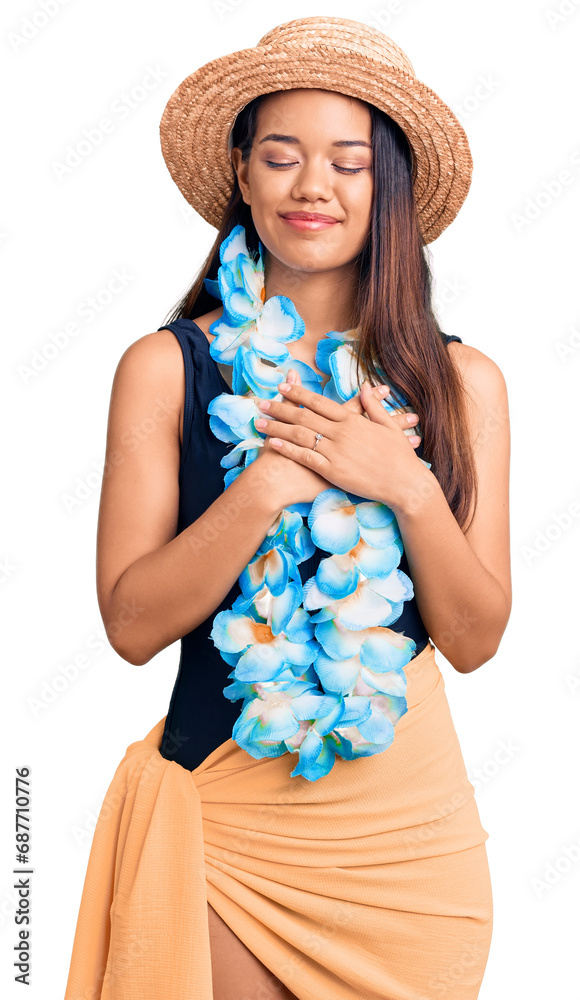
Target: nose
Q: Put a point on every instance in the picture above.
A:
(312, 182)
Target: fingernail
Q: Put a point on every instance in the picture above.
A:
(284, 385)
(384, 390)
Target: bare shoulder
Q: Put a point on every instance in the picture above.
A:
(154, 353)
(482, 377)
(488, 420)
(150, 374)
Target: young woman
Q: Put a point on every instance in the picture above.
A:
(308, 830)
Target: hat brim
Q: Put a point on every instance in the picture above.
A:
(199, 115)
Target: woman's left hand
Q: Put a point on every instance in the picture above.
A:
(371, 458)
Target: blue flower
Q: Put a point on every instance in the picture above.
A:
(287, 543)
(264, 653)
(278, 712)
(248, 319)
(278, 651)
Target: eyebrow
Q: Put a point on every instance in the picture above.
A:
(277, 137)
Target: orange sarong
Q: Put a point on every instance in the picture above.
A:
(370, 883)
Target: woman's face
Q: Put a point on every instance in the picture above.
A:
(311, 153)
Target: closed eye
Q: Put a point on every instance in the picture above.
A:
(348, 170)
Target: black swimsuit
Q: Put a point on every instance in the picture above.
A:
(191, 732)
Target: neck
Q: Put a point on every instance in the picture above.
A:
(324, 299)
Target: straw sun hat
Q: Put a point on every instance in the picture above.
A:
(328, 53)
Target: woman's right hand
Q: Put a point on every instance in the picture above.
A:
(295, 482)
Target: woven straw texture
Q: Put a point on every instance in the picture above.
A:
(327, 53)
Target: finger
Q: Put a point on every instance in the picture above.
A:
(406, 421)
(299, 434)
(327, 408)
(294, 379)
(311, 459)
(414, 440)
(374, 407)
(317, 402)
(378, 391)
(354, 403)
(301, 416)
(403, 419)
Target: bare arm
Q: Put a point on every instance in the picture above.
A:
(462, 581)
(155, 586)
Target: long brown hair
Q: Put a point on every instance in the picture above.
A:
(398, 332)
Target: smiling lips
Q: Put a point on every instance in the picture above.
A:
(314, 216)
(309, 220)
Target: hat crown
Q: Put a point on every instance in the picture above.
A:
(341, 33)
(327, 53)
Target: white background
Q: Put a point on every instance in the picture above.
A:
(507, 279)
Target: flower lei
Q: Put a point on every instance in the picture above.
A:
(279, 652)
